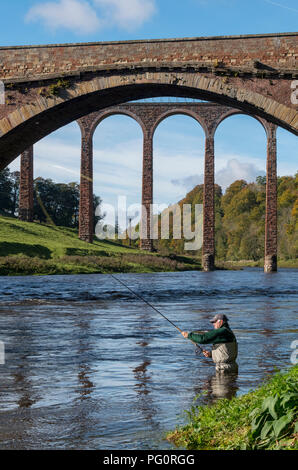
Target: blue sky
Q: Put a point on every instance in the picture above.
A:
(179, 141)
(59, 21)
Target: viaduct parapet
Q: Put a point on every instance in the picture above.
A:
(49, 86)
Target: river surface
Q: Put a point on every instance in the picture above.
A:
(89, 366)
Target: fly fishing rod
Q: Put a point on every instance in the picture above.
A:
(156, 310)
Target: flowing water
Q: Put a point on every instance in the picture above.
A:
(89, 366)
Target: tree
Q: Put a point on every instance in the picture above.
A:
(6, 188)
(15, 193)
(261, 180)
(96, 204)
(58, 203)
(233, 190)
(45, 197)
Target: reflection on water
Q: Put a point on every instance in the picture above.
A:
(89, 366)
(221, 386)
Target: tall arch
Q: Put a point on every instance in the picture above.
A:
(88, 125)
(235, 112)
(270, 263)
(187, 164)
(95, 119)
(180, 111)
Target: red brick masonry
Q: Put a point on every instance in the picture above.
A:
(49, 86)
(149, 115)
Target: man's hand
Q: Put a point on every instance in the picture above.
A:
(185, 334)
(206, 353)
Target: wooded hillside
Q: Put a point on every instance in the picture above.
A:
(240, 219)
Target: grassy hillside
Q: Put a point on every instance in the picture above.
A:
(32, 248)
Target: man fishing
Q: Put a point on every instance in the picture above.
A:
(224, 349)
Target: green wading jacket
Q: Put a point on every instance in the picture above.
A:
(224, 349)
(216, 336)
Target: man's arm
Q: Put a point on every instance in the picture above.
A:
(204, 351)
(204, 338)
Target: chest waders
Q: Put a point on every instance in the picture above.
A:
(224, 356)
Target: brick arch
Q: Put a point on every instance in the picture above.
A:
(114, 112)
(235, 112)
(180, 111)
(31, 122)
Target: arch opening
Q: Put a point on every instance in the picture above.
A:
(117, 164)
(240, 149)
(240, 172)
(179, 142)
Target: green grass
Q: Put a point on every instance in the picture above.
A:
(32, 248)
(288, 263)
(240, 264)
(47, 241)
(262, 419)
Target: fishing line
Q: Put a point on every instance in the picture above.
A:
(156, 310)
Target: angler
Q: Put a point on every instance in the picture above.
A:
(224, 350)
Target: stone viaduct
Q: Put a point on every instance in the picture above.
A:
(149, 115)
(49, 86)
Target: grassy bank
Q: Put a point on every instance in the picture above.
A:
(262, 419)
(32, 248)
(282, 263)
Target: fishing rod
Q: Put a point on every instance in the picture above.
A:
(156, 310)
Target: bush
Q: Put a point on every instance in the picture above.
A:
(263, 419)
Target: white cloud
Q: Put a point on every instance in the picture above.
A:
(189, 182)
(75, 15)
(234, 170)
(127, 14)
(81, 16)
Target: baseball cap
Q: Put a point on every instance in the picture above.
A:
(219, 316)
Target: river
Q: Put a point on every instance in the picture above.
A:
(89, 366)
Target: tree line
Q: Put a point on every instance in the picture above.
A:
(240, 219)
(56, 203)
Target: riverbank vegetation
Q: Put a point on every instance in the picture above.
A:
(266, 418)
